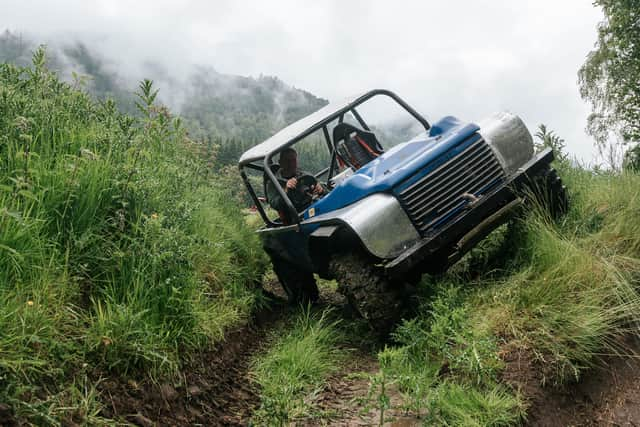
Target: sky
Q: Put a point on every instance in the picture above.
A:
(462, 58)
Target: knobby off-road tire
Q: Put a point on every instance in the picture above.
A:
(368, 291)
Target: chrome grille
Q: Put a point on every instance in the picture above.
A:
(438, 195)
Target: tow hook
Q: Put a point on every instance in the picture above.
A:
(471, 198)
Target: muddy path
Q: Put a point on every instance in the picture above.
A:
(215, 388)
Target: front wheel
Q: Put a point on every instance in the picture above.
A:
(375, 298)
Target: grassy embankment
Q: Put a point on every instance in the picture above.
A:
(119, 253)
(556, 294)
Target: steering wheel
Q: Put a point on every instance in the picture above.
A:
(304, 196)
(306, 184)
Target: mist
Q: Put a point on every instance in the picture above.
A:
(459, 58)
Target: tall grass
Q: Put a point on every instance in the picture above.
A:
(294, 368)
(118, 249)
(564, 293)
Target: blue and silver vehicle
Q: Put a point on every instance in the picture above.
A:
(394, 213)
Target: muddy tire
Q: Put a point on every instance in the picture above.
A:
(376, 299)
(549, 193)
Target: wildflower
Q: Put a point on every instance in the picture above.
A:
(30, 303)
(154, 216)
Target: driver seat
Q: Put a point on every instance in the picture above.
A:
(355, 146)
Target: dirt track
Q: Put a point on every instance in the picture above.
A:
(217, 389)
(607, 395)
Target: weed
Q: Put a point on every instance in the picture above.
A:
(118, 249)
(292, 371)
(379, 384)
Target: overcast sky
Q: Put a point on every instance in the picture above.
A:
(463, 58)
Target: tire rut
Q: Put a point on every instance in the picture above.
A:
(215, 388)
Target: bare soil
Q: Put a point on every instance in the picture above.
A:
(215, 388)
(607, 395)
(346, 399)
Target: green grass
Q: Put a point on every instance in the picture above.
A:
(453, 404)
(565, 293)
(293, 370)
(121, 253)
(119, 249)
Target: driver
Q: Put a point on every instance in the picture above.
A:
(288, 175)
(299, 285)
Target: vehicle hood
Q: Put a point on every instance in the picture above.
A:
(397, 164)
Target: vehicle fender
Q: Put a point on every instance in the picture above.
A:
(509, 138)
(289, 244)
(377, 220)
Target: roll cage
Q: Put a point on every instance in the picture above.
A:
(260, 157)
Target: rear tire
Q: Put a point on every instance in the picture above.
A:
(299, 285)
(549, 194)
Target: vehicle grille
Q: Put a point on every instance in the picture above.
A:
(438, 196)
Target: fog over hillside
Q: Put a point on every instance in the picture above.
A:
(215, 104)
(466, 59)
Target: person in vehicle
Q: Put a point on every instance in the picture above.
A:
(300, 195)
(299, 285)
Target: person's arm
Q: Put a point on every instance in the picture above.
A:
(320, 189)
(274, 198)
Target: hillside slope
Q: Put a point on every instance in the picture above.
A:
(120, 253)
(215, 105)
(124, 265)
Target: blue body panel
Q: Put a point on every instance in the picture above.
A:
(424, 153)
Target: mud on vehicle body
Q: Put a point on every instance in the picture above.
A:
(391, 216)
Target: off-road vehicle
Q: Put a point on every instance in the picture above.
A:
(394, 213)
